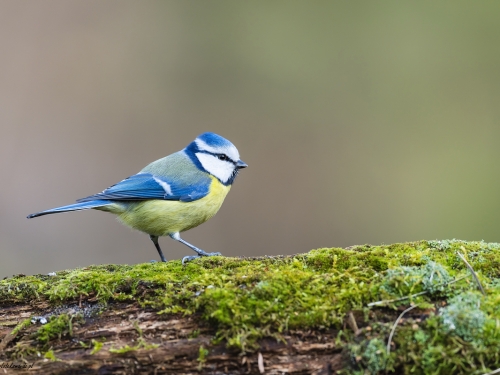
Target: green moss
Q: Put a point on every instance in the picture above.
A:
(463, 337)
(50, 355)
(202, 356)
(248, 299)
(194, 334)
(431, 277)
(23, 349)
(374, 356)
(431, 350)
(97, 346)
(25, 323)
(464, 317)
(57, 327)
(141, 344)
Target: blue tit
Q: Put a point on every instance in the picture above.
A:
(172, 194)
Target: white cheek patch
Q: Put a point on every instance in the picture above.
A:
(218, 168)
(229, 150)
(164, 185)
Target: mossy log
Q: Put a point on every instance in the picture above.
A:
(426, 307)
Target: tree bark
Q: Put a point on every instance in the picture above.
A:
(177, 351)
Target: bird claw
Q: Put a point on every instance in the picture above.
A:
(189, 258)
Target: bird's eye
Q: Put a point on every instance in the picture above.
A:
(223, 157)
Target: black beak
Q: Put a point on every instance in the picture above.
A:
(240, 164)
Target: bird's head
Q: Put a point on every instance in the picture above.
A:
(217, 156)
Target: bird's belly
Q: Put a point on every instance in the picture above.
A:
(162, 217)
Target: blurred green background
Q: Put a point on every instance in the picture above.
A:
(362, 122)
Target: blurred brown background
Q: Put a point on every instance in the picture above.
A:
(362, 122)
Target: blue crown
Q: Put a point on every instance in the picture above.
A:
(214, 140)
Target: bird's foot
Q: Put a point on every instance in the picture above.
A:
(189, 258)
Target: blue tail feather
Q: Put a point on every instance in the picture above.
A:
(73, 207)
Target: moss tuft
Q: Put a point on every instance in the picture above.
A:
(24, 324)
(141, 344)
(202, 356)
(463, 316)
(432, 277)
(57, 327)
(97, 346)
(374, 356)
(50, 355)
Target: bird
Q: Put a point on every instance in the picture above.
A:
(172, 194)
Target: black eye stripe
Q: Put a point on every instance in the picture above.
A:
(224, 157)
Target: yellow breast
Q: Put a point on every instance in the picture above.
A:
(162, 217)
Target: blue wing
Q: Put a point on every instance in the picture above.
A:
(144, 186)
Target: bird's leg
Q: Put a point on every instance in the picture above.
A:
(157, 245)
(188, 258)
